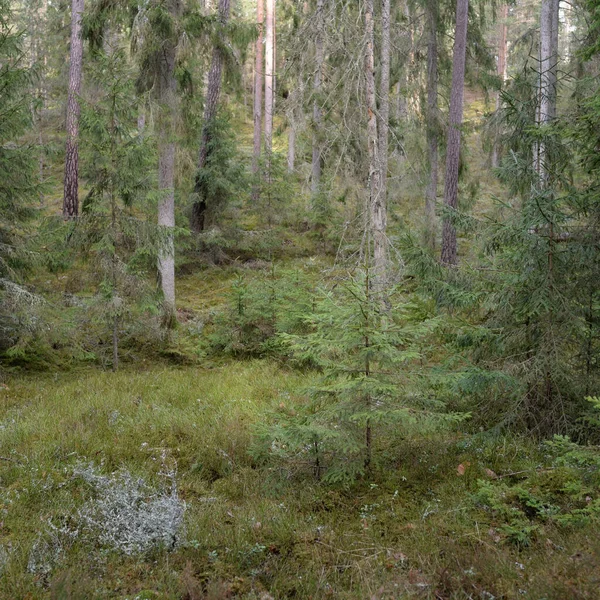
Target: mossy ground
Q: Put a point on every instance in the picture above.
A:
(413, 530)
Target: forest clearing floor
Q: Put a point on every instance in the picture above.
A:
(431, 524)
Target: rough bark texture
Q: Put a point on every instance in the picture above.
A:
(71, 182)
(548, 75)
(319, 57)
(166, 89)
(269, 75)
(211, 104)
(501, 70)
(432, 121)
(258, 93)
(449, 249)
(376, 210)
(384, 99)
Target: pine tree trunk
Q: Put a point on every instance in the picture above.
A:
(269, 77)
(211, 104)
(449, 249)
(258, 94)
(501, 70)
(71, 181)
(432, 122)
(319, 58)
(384, 100)
(167, 98)
(376, 210)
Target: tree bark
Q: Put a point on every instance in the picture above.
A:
(269, 77)
(319, 58)
(71, 180)
(291, 155)
(376, 210)
(432, 122)
(449, 249)
(258, 94)
(211, 104)
(501, 70)
(384, 100)
(167, 97)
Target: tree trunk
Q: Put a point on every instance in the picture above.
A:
(269, 77)
(319, 58)
(166, 129)
(449, 250)
(384, 100)
(432, 122)
(71, 181)
(258, 94)
(291, 155)
(376, 210)
(548, 77)
(501, 70)
(211, 104)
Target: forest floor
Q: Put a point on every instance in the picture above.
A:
(417, 530)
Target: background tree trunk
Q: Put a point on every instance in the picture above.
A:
(376, 208)
(211, 105)
(269, 75)
(71, 182)
(449, 249)
(432, 121)
(384, 100)
(258, 93)
(319, 57)
(166, 129)
(501, 70)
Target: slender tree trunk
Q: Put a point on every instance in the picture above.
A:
(269, 77)
(211, 105)
(258, 94)
(71, 181)
(376, 210)
(291, 155)
(449, 249)
(319, 58)
(432, 122)
(548, 76)
(167, 97)
(501, 70)
(384, 99)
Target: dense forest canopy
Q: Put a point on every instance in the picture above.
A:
(281, 258)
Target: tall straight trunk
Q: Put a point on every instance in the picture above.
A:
(432, 121)
(211, 104)
(71, 181)
(501, 70)
(449, 249)
(167, 97)
(269, 77)
(319, 57)
(384, 99)
(548, 76)
(258, 93)
(291, 154)
(376, 210)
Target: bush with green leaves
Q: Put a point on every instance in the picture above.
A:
(370, 391)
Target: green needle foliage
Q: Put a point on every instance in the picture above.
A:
(366, 353)
(121, 245)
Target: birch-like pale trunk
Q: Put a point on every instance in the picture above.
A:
(269, 77)
(432, 128)
(376, 210)
(384, 101)
(449, 245)
(258, 94)
(317, 82)
(211, 105)
(166, 128)
(501, 70)
(71, 180)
